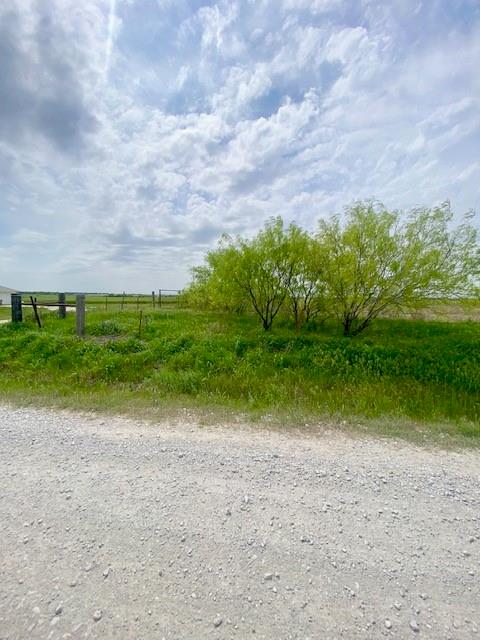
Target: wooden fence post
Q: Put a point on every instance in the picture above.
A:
(80, 313)
(153, 299)
(17, 307)
(62, 309)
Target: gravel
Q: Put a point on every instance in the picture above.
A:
(414, 626)
(114, 528)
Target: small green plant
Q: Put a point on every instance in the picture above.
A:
(106, 327)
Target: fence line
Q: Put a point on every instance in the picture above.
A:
(106, 300)
(18, 304)
(165, 297)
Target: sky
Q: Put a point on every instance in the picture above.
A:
(133, 133)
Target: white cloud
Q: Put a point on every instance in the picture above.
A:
(314, 6)
(241, 87)
(217, 119)
(29, 236)
(215, 21)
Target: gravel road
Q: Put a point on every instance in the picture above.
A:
(113, 528)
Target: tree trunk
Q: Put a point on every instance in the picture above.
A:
(347, 326)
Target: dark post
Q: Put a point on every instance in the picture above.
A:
(17, 307)
(35, 310)
(153, 299)
(80, 313)
(62, 309)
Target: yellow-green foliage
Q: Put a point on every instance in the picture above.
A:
(356, 267)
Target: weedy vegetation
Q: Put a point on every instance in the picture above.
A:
(289, 326)
(399, 371)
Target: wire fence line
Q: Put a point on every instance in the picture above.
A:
(114, 301)
(80, 302)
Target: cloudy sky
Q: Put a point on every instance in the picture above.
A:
(134, 132)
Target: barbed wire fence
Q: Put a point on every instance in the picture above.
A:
(79, 302)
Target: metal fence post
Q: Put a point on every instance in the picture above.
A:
(35, 311)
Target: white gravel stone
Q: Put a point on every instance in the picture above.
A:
(156, 525)
(414, 626)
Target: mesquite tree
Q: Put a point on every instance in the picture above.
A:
(377, 261)
(355, 268)
(263, 269)
(305, 289)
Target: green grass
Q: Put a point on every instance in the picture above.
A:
(401, 376)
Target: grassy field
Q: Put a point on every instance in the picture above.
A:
(401, 376)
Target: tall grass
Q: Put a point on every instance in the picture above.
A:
(424, 371)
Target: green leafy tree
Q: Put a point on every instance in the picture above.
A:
(262, 269)
(305, 290)
(377, 261)
(196, 294)
(212, 285)
(255, 272)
